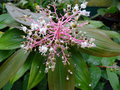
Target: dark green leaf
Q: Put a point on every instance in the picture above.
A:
(101, 11)
(23, 69)
(82, 75)
(11, 39)
(43, 84)
(107, 61)
(7, 20)
(104, 74)
(114, 80)
(4, 54)
(104, 11)
(11, 66)
(112, 9)
(8, 86)
(94, 60)
(60, 78)
(37, 71)
(17, 85)
(25, 81)
(95, 75)
(100, 86)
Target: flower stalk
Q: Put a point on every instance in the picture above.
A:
(54, 37)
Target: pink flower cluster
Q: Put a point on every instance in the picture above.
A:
(52, 38)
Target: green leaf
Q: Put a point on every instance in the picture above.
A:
(95, 75)
(4, 54)
(104, 74)
(7, 20)
(83, 80)
(8, 86)
(104, 11)
(1, 33)
(100, 86)
(25, 81)
(17, 85)
(107, 61)
(2, 25)
(92, 24)
(37, 70)
(60, 78)
(18, 14)
(112, 9)
(11, 66)
(118, 57)
(93, 59)
(113, 35)
(117, 71)
(3, 17)
(43, 84)
(101, 11)
(11, 39)
(114, 80)
(23, 69)
(105, 47)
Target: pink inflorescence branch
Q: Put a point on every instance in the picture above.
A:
(52, 38)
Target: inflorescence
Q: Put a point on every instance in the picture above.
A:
(52, 38)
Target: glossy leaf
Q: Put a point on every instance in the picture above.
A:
(82, 75)
(23, 69)
(11, 39)
(105, 47)
(114, 80)
(4, 54)
(60, 78)
(37, 70)
(18, 14)
(11, 66)
(95, 75)
(7, 20)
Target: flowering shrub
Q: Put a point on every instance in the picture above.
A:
(51, 42)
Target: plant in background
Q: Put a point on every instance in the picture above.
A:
(48, 41)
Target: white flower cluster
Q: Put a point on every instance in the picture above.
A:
(78, 9)
(36, 31)
(43, 49)
(87, 44)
